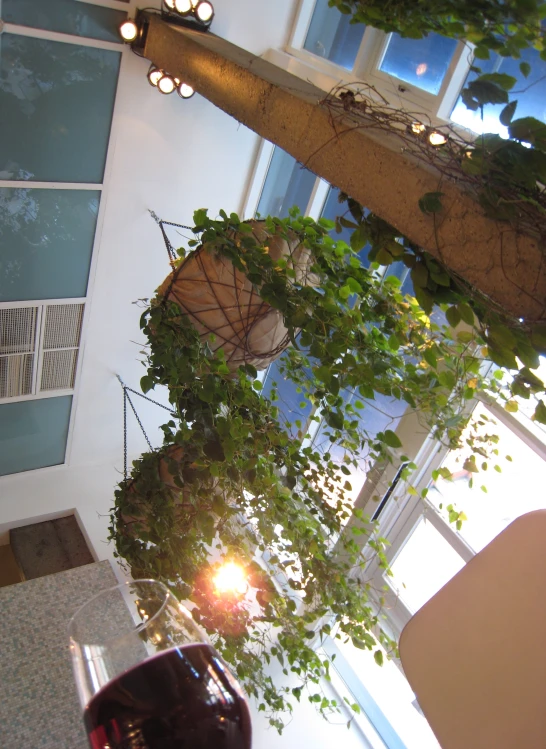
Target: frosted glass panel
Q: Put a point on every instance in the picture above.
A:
(332, 36)
(46, 240)
(66, 16)
(421, 62)
(287, 184)
(33, 433)
(56, 104)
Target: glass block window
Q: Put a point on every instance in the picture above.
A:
(56, 105)
(46, 242)
(421, 62)
(33, 433)
(332, 36)
(66, 16)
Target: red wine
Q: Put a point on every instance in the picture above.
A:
(180, 699)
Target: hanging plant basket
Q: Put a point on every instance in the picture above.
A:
(225, 307)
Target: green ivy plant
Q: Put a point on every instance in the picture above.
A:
(234, 481)
(503, 26)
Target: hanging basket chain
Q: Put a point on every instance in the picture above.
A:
(168, 244)
(126, 397)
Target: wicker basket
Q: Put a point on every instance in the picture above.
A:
(220, 300)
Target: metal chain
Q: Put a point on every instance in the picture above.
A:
(126, 398)
(124, 434)
(170, 249)
(138, 420)
(141, 395)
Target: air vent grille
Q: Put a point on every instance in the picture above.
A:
(18, 330)
(63, 324)
(16, 375)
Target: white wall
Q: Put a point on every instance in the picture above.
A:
(172, 156)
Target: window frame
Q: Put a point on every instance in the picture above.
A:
(103, 187)
(437, 107)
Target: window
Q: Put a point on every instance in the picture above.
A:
(423, 75)
(66, 16)
(57, 102)
(416, 522)
(59, 67)
(530, 93)
(46, 238)
(33, 433)
(332, 36)
(38, 348)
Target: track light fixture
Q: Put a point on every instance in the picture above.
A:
(196, 13)
(154, 75)
(184, 91)
(128, 30)
(166, 84)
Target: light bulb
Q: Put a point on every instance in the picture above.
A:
(230, 578)
(154, 76)
(417, 128)
(436, 138)
(166, 84)
(169, 4)
(128, 31)
(204, 11)
(185, 91)
(183, 7)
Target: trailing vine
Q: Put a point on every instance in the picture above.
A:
(233, 480)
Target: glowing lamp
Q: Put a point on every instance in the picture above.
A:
(169, 4)
(128, 31)
(230, 578)
(184, 7)
(154, 76)
(166, 84)
(185, 91)
(417, 128)
(437, 139)
(204, 11)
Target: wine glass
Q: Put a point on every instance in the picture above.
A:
(149, 678)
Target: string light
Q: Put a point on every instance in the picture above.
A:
(230, 578)
(170, 4)
(417, 128)
(128, 31)
(437, 139)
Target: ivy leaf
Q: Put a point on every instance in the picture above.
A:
(508, 112)
(453, 316)
(378, 657)
(500, 79)
(146, 383)
(430, 202)
(529, 130)
(200, 216)
(466, 313)
(540, 413)
(391, 439)
(480, 92)
(525, 68)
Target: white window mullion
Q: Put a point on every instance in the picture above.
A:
(39, 355)
(57, 36)
(317, 199)
(25, 184)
